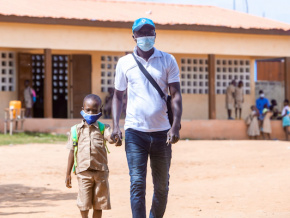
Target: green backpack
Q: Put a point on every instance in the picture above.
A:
(74, 137)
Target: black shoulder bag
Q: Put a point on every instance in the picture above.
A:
(156, 86)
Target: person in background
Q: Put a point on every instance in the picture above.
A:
(286, 118)
(266, 127)
(253, 129)
(108, 103)
(28, 98)
(239, 100)
(230, 99)
(274, 109)
(260, 102)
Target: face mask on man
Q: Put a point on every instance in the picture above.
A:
(262, 95)
(91, 118)
(145, 43)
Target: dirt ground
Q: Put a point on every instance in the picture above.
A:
(208, 179)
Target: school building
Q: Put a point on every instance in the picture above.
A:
(70, 48)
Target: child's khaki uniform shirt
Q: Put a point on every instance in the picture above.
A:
(92, 166)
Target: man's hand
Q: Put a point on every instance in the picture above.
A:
(117, 136)
(68, 181)
(173, 135)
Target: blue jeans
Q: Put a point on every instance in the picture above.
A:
(140, 145)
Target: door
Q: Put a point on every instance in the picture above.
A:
(81, 71)
(59, 86)
(24, 73)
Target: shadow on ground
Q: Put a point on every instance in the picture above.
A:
(17, 195)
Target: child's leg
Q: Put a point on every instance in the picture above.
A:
(85, 213)
(286, 129)
(269, 136)
(229, 113)
(236, 113)
(240, 115)
(263, 135)
(97, 214)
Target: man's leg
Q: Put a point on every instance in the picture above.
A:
(160, 159)
(137, 155)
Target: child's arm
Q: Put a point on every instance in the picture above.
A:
(70, 164)
(107, 134)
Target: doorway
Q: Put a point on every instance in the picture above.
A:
(73, 71)
(59, 83)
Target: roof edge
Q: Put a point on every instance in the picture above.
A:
(119, 24)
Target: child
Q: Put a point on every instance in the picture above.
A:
(266, 126)
(90, 159)
(286, 118)
(239, 99)
(253, 129)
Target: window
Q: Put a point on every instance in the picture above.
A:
(194, 76)
(108, 66)
(7, 71)
(232, 69)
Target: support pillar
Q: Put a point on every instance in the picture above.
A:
(287, 77)
(211, 87)
(47, 84)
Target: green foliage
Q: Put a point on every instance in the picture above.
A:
(31, 137)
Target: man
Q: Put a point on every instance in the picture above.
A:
(230, 98)
(147, 128)
(260, 103)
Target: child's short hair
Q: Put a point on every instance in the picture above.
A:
(286, 101)
(93, 97)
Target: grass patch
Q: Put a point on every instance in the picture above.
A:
(31, 137)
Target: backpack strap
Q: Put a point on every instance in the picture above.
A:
(102, 129)
(74, 137)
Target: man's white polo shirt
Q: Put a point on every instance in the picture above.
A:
(146, 110)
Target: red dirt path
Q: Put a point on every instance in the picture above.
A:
(208, 179)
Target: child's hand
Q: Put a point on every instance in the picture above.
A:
(68, 181)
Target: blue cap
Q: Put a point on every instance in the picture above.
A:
(139, 23)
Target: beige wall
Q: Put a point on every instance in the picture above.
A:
(195, 106)
(105, 41)
(95, 81)
(16, 35)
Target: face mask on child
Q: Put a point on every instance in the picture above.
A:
(91, 118)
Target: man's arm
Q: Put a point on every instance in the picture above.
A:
(116, 113)
(176, 105)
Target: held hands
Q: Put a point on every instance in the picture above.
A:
(68, 181)
(117, 136)
(173, 135)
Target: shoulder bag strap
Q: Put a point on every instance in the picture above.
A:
(149, 77)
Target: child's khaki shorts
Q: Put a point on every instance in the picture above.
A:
(93, 190)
